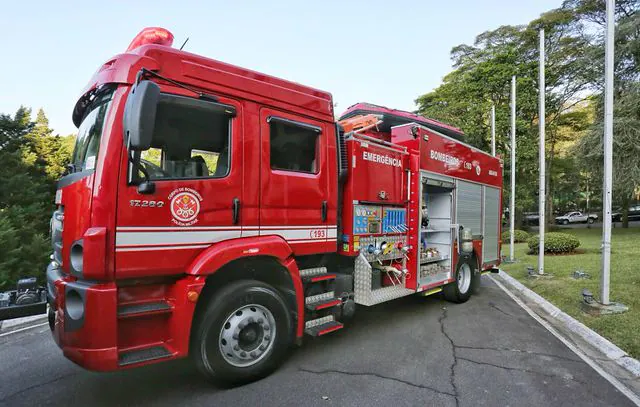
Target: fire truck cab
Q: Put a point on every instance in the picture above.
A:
(221, 213)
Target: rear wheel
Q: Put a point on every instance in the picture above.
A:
(467, 279)
(243, 334)
(590, 221)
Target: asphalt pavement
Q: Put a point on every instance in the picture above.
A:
(409, 352)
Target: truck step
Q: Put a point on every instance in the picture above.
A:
(322, 301)
(143, 309)
(319, 277)
(131, 357)
(324, 329)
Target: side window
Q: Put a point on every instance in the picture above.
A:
(294, 146)
(191, 139)
(153, 155)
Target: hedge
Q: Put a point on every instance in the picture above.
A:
(554, 242)
(519, 236)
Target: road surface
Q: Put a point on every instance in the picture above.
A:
(412, 351)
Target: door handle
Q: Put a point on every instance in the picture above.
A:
(236, 210)
(324, 211)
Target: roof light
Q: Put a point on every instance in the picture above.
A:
(152, 35)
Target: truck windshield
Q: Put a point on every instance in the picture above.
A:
(90, 131)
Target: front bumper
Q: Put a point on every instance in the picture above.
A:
(83, 319)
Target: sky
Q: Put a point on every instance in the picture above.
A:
(382, 52)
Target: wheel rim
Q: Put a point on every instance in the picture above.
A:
(247, 335)
(464, 278)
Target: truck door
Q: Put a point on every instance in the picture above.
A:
(195, 162)
(294, 182)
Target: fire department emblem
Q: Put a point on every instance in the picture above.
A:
(478, 170)
(185, 206)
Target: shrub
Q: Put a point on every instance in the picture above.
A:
(554, 242)
(519, 236)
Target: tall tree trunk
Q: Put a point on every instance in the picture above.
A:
(549, 218)
(625, 211)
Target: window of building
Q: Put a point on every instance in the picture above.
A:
(191, 139)
(294, 146)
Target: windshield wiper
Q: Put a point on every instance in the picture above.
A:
(201, 95)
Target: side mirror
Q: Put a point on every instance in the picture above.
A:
(140, 115)
(146, 188)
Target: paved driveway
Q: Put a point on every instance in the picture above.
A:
(413, 351)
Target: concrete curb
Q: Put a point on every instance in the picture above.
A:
(611, 351)
(17, 323)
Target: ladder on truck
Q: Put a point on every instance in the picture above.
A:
(320, 301)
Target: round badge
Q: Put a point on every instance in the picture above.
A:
(185, 207)
(477, 170)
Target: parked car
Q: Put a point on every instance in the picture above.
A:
(634, 214)
(575, 217)
(531, 218)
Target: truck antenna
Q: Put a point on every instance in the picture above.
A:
(184, 43)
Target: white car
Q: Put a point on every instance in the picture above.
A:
(575, 217)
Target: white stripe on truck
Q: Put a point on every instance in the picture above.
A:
(148, 238)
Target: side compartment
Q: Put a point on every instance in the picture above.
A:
(469, 207)
(491, 225)
(437, 231)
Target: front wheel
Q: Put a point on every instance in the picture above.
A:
(590, 221)
(243, 334)
(466, 279)
(565, 222)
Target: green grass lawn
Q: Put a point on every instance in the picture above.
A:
(565, 292)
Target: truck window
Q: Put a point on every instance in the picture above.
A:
(294, 146)
(85, 152)
(191, 139)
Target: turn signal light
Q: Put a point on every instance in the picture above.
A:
(152, 35)
(192, 296)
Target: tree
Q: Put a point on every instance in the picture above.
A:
(45, 151)
(626, 148)
(626, 125)
(481, 77)
(31, 160)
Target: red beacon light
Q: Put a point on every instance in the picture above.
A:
(152, 35)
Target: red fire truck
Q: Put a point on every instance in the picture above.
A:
(221, 213)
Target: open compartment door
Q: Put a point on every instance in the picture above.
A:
(436, 231)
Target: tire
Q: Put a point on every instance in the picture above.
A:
(243, 334)
(467, 279)
(590, 221)
(565, 222)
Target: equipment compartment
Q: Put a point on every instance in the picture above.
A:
(437, 232)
